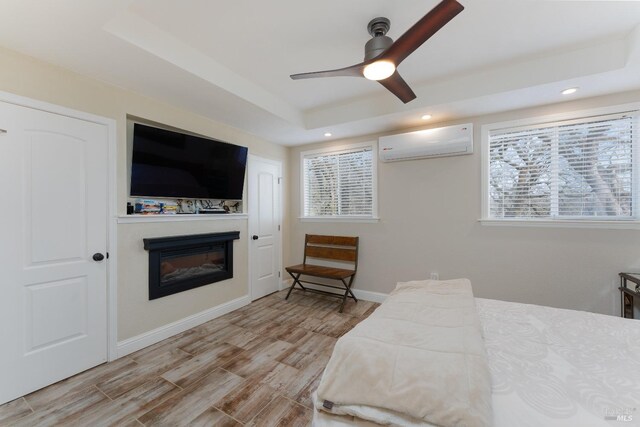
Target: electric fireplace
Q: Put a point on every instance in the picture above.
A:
(180, 263)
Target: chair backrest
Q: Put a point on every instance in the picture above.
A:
(334, 248)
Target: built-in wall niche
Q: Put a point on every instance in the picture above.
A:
(175, 171)
(183, 206)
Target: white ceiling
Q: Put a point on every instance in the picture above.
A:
(231, 61)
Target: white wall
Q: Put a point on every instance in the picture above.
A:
(429, 212)
(25, 76)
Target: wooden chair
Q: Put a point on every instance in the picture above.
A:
(332, 248)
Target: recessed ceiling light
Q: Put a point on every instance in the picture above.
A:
(328, 134)
(570, 91)
(426, 117)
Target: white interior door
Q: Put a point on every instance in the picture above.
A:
(53, 299)
(264, 226)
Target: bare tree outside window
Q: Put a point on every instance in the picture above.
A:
(579, 169)
(339, 184)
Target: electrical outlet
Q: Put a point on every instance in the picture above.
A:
(434, 276)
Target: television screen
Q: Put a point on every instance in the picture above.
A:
(175, 165)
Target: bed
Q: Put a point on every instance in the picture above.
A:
(547, 367)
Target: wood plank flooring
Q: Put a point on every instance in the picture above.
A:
(256, 366)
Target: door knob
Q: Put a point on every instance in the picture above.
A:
(254, 237)
(98, 256)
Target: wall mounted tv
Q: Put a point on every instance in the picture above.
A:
(175, 165)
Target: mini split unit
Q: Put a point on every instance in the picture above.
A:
(423, 144)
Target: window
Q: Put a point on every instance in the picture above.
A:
(339, 183)
(579, 169)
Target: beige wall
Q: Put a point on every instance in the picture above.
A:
(429, 212)
(28, 77)
(133, 304)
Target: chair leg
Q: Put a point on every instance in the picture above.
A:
(295, 280)
(347, 291)
(344, 299)
(349, 288)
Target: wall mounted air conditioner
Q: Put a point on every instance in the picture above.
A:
(423, 144)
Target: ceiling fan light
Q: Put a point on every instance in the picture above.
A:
(379, 70)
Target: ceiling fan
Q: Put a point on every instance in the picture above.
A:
(382, 56)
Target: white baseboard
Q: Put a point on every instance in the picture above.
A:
(146, 339)
(359, 293)
(369, 295)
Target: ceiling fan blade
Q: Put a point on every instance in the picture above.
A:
(422, 30)
(352, 71)
(397, 86)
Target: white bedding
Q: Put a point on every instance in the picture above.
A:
(552, 367)
(424, 344)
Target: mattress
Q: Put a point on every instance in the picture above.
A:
(552, 367)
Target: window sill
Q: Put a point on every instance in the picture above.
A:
(368, 219)
(561, 223)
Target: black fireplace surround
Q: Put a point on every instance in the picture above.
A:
(180, 263)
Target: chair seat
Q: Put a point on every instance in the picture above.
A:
(321, 271)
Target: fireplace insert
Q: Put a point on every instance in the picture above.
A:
(180, 263)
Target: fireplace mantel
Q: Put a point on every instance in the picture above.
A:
(177, 242)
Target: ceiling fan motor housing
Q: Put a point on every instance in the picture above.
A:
(379, 42)
(376, 46)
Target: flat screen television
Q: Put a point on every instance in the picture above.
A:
(175, 165)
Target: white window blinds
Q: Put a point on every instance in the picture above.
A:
(578, 169)
(339, 183)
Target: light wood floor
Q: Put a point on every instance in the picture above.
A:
(254, 366)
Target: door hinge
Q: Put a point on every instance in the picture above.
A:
(278, 227)
(279, 179)
(107, 255)
(278, 274)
